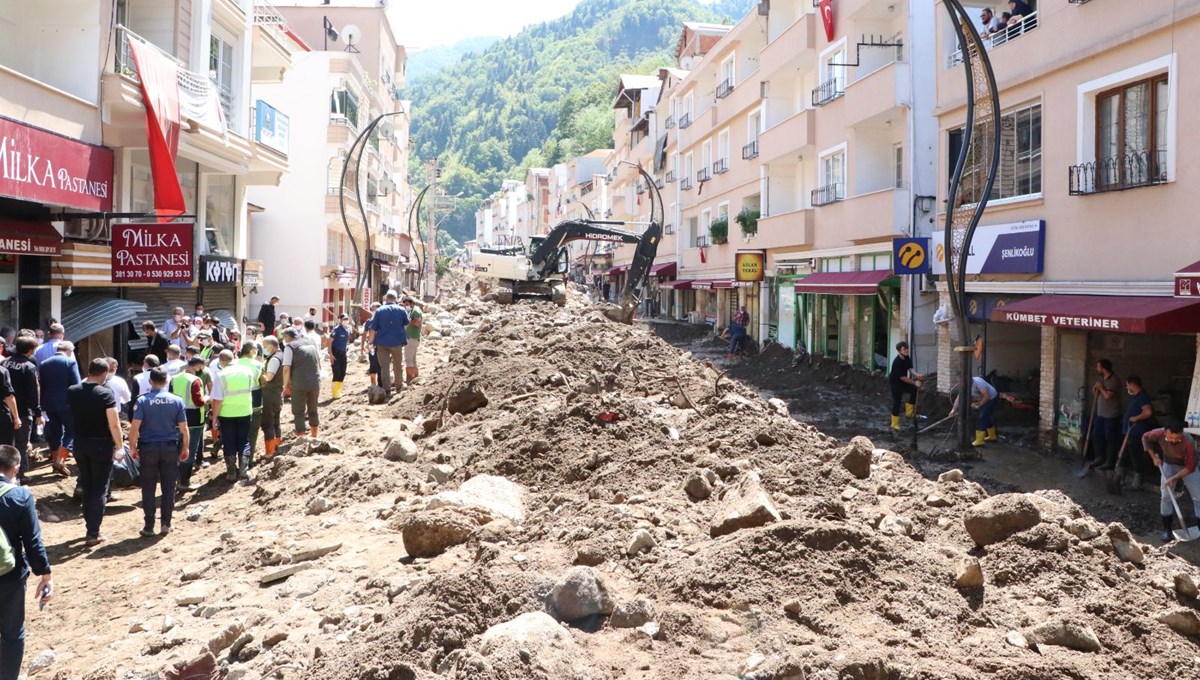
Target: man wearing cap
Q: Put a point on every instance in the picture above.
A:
(233, 407)
(302, 374)
(159, 440)
(190, 388)
(388, 334)
(338, 342)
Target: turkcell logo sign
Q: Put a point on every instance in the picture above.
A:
(1016, 248)
(910, 255)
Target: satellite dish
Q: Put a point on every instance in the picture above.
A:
(352, 35)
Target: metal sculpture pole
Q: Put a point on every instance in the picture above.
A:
(980, 150)
(416, 210)
(359, 145)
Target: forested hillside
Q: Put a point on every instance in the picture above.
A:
(540, 96)
(423, 63)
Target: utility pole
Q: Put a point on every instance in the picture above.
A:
(430, 278)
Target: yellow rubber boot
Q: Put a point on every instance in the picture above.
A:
(910, 410)
(896, 423)
(337, 390)
(991, 435)
(978, 438)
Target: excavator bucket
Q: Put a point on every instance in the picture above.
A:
(623, 312)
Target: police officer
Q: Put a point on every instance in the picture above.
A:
(158, 439)
(232, 407)
(189, 387)
(249, 358)
(272, 391)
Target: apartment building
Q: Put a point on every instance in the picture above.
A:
(496, 220)
(78, 105)
(353, 75)
(1086, 247)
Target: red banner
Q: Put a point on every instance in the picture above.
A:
(41, 166)
(152, 253)
(159, 80)
(827, 16)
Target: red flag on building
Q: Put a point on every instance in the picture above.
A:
(159, 81)
(827, 16)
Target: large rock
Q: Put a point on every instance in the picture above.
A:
(999, 517)
(1181, 620)
(401, 449)
(534, 641)
(967, 573)
(431, 532)
(744, 504)
(580, 593)
(632, 614)
(466, 398)
(497, 495)
(1064, 632)
(856, 457)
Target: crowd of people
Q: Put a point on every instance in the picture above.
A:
(203, 395)
(994, 25)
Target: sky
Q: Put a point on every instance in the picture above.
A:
(428, 23)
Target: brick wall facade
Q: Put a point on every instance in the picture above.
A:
(1047, 390)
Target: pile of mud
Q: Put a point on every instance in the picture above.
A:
(654, 518)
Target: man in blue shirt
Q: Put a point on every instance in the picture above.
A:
(387, 334)
(57, 374)
(339, 342)
(50, 346)
(19, 522)
(1138, 420)
(158, 439)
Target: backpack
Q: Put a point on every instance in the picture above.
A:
(8, 559)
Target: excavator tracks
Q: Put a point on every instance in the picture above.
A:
(504, 294)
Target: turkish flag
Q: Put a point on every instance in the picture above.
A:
(827, 15)
(703, 257)
(158, 79)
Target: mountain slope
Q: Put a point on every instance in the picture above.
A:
(483, 116)
(423, 63)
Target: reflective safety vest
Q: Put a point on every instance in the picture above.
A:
(181, 386)
(237, 382)
(257, 367)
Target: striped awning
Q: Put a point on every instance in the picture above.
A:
(84, 315)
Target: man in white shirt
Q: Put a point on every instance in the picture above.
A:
(174, 329)
(142, 380)
(119, 387)
(175, 364)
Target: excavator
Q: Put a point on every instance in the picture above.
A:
(539, 271)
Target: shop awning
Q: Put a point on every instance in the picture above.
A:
(29, 238)
(663, 269)
(724, 283)
(677, 285)
(843, 283)
(1118, 314)
(616, 270)
(84, 315)
(1187, 281)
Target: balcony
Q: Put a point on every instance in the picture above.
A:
(685, 121)
(1132, 171)
(721, 166)
(672, 176)
(668, 228)
(670, 121)
(685, 184)
(789, 229)
(829, 90)
(703, 241)
(788, 136)
(273, 48)
(660, 184)
(991, 42)
(788, 47)
(876, 97)
(865, 217)
(704, 175)
(750, 150)
(724, 88)
(830, 193)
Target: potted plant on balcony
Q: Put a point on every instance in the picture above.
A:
(747, 219)
(719, 230)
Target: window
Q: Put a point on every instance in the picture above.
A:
(1020, 169)
(832, 178)
(220, 70)
(728, 77)
(833, 74)
(722, 163)
(1131, 140)
(219, 215)
(343, 104)
(898, 158)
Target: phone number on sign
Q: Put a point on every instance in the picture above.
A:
(156, 274)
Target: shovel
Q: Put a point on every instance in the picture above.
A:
(1183, 533)
(1114, 477)
(1087, 439)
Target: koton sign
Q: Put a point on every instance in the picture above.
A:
(152, 253)
(40, 166)
(216, 271)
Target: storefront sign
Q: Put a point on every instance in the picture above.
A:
(220, 272)
(40, 166)
(271, 127)
(1187, 281)
(750, 265)
(29, 238)
(1062, 320)
(250, 279)
(910, 255)
(152, 253)
(980, 306)
(1016, 248)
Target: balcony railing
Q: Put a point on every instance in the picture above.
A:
(670, 121)
(342, 121)
(685, 121)
(685, 184)
(641, 187)
(669, 228)
(703, 175)
(672, 176)
(725, 88)
(721, 166)
(1132, 171)
(750, 150)
(703, 241)
(196, 91)
(998, 38)
(828, 91)
(659, 183)
(830, 193)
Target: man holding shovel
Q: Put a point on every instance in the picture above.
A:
(1174, 453)
(1106, 432)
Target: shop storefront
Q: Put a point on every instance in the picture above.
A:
(659, 299)
(850, 315)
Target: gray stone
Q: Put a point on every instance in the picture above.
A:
(779, 407)
(1181, 620)
(1082, 528)
(581, 592)
(1064, 633)
(280, 574)
(793, 607)
(856, 457)
(632, 614)
(317, 505)
(642, 541)
(195, 570)
(1129, 551)
(936, 500)
(1185, 585)
(312, 551)
(41, 662)
(431, 532)
(697, 486)
(1016, 639)
(996, 518)
(467, 398)
(401, 449)
(497, 495)
(440, 474)
(895, 525)
(954, 475)
(225, 638)
(190, 595)
(531, 641)
(968, 573)
(744, 504)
